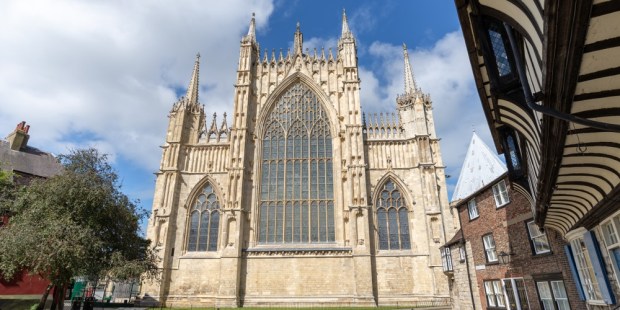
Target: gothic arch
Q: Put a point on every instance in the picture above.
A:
(189, 204)
(289, 81)
(199, 186)
(294, 199)
(392, 215)
(391, 176)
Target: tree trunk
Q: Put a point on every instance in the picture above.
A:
(55, 298)
(41, 305)
(59, 297)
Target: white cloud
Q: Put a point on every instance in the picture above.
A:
(104, 73)
(318, 43)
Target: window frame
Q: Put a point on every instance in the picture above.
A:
(462, 254)
(192, 244)
(553, 298)
(495, 299)
(493, 250)
(383, 227)
(511, 79)
(541, 235)
(612, 246)
(498, 195)
(296, 190)
(515, 293)
(585, 270)
(471, 204)
(446, 259)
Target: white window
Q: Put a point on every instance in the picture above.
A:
(539, 240)
(544, 293)
(472, 208)
(553, 291)
(500, 193)
(612, 243)
(446, 259)
(516, 293)
(494, 293)
(585, 270)
(489, 248)
(462, 252)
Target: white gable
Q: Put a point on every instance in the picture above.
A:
(481, 166)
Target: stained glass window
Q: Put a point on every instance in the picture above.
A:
(392, 219)
(297, 189)
(204, 221)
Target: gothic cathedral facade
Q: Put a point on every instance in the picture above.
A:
(302, 200)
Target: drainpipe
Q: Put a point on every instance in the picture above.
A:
(531, 103)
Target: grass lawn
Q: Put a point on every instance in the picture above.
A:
(18, 304)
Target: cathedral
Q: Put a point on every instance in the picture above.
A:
(303, 200)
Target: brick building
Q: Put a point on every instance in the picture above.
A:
(547, 76)
(500, 259)
(26, 163)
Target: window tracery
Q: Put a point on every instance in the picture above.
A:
(204, 221)
(392, 219)
(296, 202)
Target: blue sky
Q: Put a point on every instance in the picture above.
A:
(105, 73)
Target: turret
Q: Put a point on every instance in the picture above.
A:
(249, 48)
(187, 114)
(347, 50)
(414, 106)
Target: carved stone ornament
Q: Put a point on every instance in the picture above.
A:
(298, 252)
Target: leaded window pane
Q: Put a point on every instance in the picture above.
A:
(382, 224)
(499, 49)
(392, 219)
(302, 179)
(404, 229)
(204, 221)
(193, 230)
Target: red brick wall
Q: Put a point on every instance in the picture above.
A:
(23, 284)
(508, 225)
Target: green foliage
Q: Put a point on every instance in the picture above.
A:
(75, 223)
(6, 189)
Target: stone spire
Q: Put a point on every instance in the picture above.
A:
(192, 89)
(346, 33)
(410, 85)
(347, 50)
(252, 30)
(298, 42)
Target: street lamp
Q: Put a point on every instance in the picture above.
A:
(504, 258)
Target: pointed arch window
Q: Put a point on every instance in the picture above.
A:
(204, 221)
(392, 219)
(297, 190)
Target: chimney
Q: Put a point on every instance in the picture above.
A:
(18, 139)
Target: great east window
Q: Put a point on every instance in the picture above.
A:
(296, 189)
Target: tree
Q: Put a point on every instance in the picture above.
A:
(6, 188)
(77, 223)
